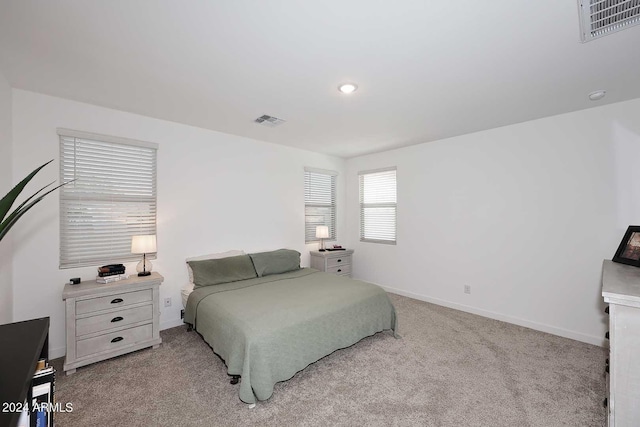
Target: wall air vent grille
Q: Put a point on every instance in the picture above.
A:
(602, 17)
(269, 121)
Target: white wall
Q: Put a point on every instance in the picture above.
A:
(6, 183)
(524, 214)
(216, 192)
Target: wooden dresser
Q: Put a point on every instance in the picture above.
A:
(621, 290)
(107, 320)
(336, 262)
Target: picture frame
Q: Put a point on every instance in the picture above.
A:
(629, 250)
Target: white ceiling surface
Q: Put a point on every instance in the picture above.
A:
(426, 70)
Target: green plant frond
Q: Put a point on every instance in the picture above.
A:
(8, 200)
(6, 225)
(34, 195)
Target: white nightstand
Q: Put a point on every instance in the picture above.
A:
(336, 262)
(621, 291)
(107, 320)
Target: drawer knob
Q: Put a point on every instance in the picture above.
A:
(117, 301)
(116, 319)
(116, 339)
(339, 270)
(339, 260)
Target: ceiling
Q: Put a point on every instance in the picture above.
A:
(426, 70)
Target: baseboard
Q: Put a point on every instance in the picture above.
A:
(57, 352)
(578, 336)
(171, 324)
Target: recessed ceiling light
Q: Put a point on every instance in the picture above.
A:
(348, 87)
(597, 95)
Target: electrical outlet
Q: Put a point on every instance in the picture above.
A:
(182, 313)
(167, 302)
(467, 289)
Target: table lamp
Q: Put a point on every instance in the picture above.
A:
(322, 232)
(143, 245)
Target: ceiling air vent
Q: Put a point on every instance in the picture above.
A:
(602, 17)
(269, 121)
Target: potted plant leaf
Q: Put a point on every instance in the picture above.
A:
(7, 220)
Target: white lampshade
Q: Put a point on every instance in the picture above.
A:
(143, 244)
(322, 232)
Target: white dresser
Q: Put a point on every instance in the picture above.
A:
(336, 262)
(621, 290)
(107, 320)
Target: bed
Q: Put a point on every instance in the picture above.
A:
(274, 324)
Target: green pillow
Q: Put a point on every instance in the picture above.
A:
(276, 262)
(223, 270)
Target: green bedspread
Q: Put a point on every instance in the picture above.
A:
(267, 329)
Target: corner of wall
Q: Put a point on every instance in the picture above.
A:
(6, 179)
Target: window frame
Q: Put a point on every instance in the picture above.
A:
(363, 206)
(81, 155)
(333, 205)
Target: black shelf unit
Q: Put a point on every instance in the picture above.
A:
(22, 344)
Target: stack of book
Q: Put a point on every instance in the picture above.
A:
(111, 273)
(111, 279)
(40, 400)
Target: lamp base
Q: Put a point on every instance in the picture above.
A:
(144, 265)
(144, 273)
(321, 249)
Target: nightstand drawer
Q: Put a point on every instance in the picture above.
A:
(114, 340)
(113, 301)
(338, 261)
(340, 269)
(103, 322)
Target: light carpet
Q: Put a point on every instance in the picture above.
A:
(450, 368)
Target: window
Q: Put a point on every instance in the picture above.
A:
(319, 202)
(378, 206)
(112, 198)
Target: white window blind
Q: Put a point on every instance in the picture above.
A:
(378, 206)
(319, 202)
(112, 198)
